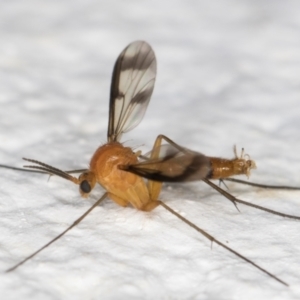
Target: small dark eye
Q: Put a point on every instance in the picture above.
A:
(85, 186)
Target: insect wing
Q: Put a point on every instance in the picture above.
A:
(173, 165)
(131, 88)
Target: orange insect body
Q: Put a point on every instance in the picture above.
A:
(122, 187)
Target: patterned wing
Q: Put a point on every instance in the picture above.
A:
(131, 88)
(173, 165)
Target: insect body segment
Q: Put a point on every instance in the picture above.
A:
(122, 187)
(223, 168)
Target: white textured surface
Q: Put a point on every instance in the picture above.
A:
(228, 73)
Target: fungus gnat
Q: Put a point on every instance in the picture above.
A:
(132, 178)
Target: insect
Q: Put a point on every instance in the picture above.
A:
(131, 178)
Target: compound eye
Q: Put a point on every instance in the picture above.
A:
(85, 186)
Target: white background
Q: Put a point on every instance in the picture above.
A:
(228, 73)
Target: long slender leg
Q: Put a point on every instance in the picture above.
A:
(265, 186)
(212, 239)
(155, 186)
(231, 197)
(60, 235)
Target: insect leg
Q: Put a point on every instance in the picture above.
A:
(60, 235)
(212, 239)
(265, 186)
(154, 187)
(232, 198)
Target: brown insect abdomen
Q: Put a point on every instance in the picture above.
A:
(220, 168)
(223, 168)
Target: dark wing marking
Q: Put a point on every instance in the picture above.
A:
(173, 165)
(131, 88)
